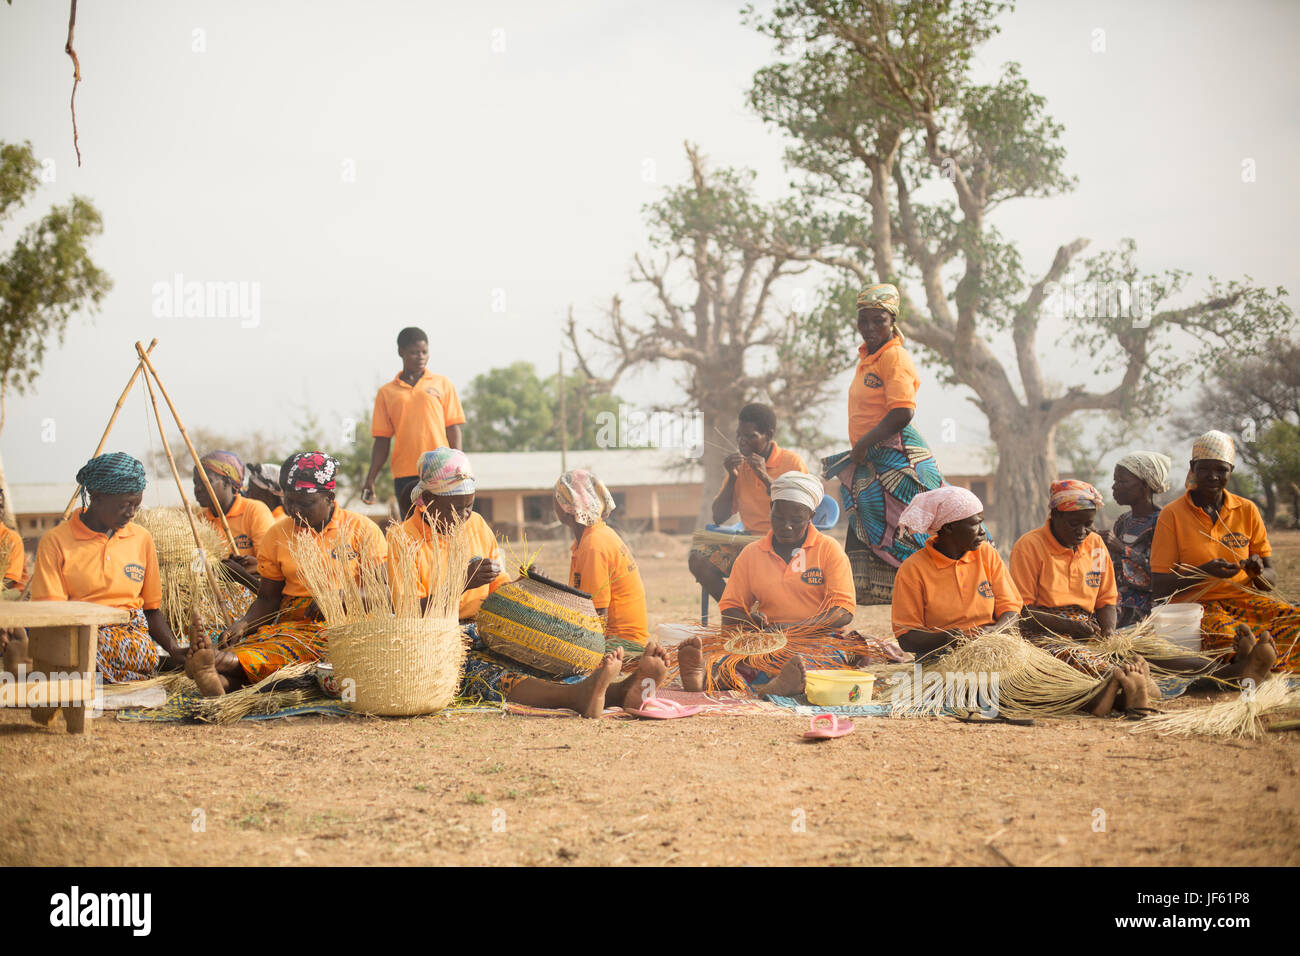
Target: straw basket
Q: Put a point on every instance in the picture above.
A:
(543, 624)
(398, 667)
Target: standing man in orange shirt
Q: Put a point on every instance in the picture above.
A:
(750, 472)
(416, 411)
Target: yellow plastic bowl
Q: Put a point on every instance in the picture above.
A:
(839, 688)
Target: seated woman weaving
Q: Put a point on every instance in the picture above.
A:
(98, 555)
(1211, 547)
(958, 585)
(445, 496)
(1139, 476)
(282, 626)
(248, 519)
(795, 579)
(601, 563)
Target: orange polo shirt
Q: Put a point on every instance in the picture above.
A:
(1186, 535)
(750, 499)
(484, 546)
(884, 380)
(1048, 574)
(932, 592)
(817, 579)
(415, 417)
(74, 563)
(357, 532)
(602, 565)
(277, 512)
(249, 522)
(15, 568)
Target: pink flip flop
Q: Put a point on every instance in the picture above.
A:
(828, 727)
(661, 708)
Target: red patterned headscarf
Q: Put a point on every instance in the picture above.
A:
(1074, 495)
(311, 471)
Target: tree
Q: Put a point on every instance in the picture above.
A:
(351, 446)
(253, 448)
(879, 101)
(512, 409)
(45, 278)
(712, 280)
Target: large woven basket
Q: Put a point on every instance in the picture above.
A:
(398, 667)
(544, 624)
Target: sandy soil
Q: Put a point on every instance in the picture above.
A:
(716, 790)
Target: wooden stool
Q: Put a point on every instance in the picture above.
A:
(62, 639)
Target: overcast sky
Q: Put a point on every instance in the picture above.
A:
(375, 165)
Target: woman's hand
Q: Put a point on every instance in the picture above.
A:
(1219, 568)
(484, 571)
(233, 634)
(859, 453)
(759, 466)
(1084, 630)
(732, 463)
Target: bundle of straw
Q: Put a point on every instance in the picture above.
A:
(1239, 717)
(1142, 639)
(397, 658)
(185, 586)
(1030, 682)
(260, 698)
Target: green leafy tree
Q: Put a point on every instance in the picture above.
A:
(880, 103)
(46, 277)
(511, 408)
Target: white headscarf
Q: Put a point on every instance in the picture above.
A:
(799, 487)
(1150, 466)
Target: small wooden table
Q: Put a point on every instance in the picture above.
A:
(62, 640)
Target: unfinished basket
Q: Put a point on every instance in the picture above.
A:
(543, 624)
(398, 667)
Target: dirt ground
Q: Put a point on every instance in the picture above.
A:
(490, 789)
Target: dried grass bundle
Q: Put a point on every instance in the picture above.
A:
(1238, 717)
(185, 585)
(1142, 639)
(1022, 679)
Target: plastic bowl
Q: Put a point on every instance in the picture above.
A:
(839, 688)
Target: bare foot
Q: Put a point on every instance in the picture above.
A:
(1104, 703)
(1134, 682)
(591, 692)
(789, 681)
(1260, 660)
(643, 683)
(690, 664)
(201, 666)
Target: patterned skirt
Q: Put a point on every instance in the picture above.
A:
(1079, 656)
(489, 676)
(126, 652)
(291, 638)
(1259, 613)
(875, 494)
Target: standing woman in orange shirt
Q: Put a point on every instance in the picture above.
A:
(100, 556)
(601, 564)
(890, 463)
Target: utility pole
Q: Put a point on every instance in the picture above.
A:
(564, 422)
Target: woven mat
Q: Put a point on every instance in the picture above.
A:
(184, 708)
(726, 704)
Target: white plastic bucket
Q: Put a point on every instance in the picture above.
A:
(1179, 624)
(670, 635)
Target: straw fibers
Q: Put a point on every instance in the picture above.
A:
(1030, 682)
(259, 698)
(391, 656)
(185, 586)
(1239, 717)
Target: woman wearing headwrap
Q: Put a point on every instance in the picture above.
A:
(1138, 478)
(794, 579)
(99, 555)
(263, 484)
(283, 626)
(601, 564)
(444, 496)
(1210, 546)
(1064, 575)
(890, 462)
(249, 520)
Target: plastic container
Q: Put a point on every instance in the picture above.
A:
(670, 635)
(839, 688)
(1179, 624)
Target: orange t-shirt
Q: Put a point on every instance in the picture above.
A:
(74, 563)
(277, 512)
(15, 568)
(932, 592)
(817, 579)
(416, 418)
(1186, 535)
(884, 380)
(360, 534)
(485, 546)
(602, 565)
(749, 498)
(1048, 574)
(249, 522)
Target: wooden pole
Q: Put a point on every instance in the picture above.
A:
(185, 504)
(564, 423)
(108, 428)
(203, 475)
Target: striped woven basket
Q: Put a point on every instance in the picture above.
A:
(398, 667)
(543, 624)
